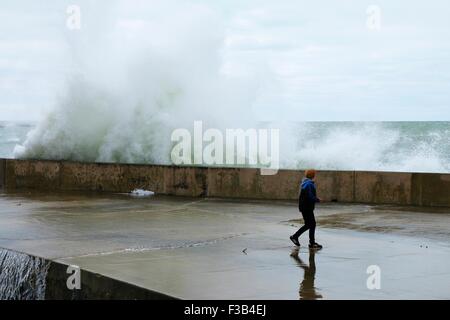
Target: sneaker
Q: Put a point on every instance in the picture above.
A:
(315, 246)
(295, 241)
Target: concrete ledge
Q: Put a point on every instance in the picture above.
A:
(186, 181)
(2, 173)
(424, 189)
(383, 187)
(94, 286)
(44, 175)
(249, 183)
(430, 189)
(49, 281)
(91, 177)
(336, 185)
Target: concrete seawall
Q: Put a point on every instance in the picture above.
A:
(2, 173)
(422, 189)
(23, 280)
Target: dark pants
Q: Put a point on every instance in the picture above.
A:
(310, 224)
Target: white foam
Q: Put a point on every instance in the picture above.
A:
(140, 82)
(142, 193)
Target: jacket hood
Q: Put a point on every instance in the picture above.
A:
(306, 182)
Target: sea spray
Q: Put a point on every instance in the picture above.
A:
(156, 67)
(385, 146)
(158, 75)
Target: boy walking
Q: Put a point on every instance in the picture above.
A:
(306, 204)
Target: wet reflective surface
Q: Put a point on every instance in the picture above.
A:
(308, 290)
(194, 248)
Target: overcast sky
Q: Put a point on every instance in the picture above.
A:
(320, 59)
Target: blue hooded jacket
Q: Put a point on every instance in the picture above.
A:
(307, 198)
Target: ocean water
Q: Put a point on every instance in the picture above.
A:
(12, 134)
(387, 146)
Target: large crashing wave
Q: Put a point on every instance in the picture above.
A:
(137, 80)
(92, 125)
(384, 146)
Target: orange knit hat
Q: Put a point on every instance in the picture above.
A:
(310, 173)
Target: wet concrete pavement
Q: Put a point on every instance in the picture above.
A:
(225, 249)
